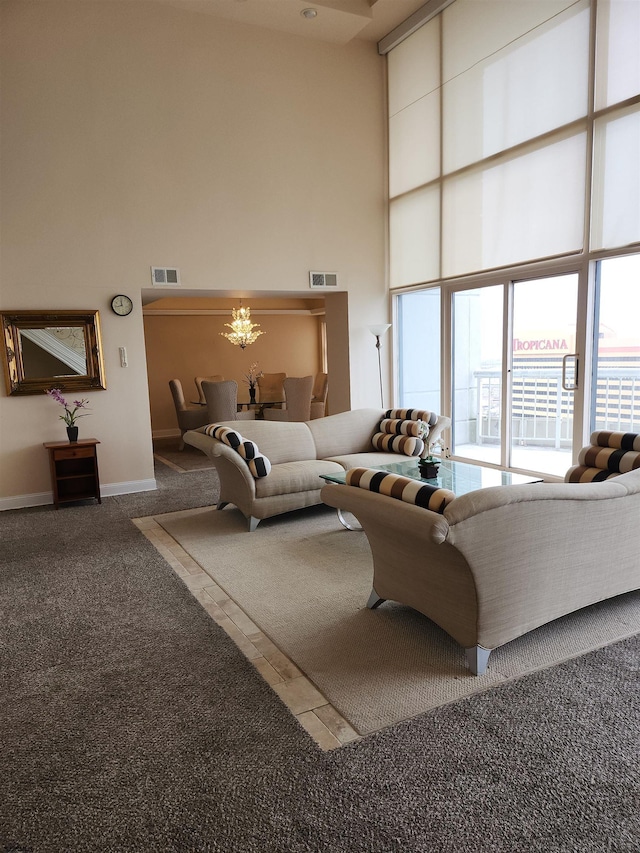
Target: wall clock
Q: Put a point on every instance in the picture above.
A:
(122, 305)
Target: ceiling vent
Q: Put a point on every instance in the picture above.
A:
(165, 277)
(322, 279)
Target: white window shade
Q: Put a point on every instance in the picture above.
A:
(414, 237)
(473, 30)
(616, 181)
(535, 84)
(527, 207)
(617, 51)
(414, 67)
(414, 145)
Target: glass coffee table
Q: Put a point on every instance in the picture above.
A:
(458, 477)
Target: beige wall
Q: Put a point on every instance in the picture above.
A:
(139, 134)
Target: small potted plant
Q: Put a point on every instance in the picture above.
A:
(71, 413)
(428, 465)
(251, 378)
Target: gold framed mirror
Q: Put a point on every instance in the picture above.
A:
(52, 349)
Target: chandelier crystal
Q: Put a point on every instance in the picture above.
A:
(242, 329)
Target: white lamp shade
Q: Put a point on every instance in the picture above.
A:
(380, 329)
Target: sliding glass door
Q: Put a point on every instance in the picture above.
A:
(543, 373)
(477, 373)
(514, 372)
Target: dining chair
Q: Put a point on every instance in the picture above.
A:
(297, 396)
(319, 396)
(217, 377)
(222, 402)
(271, 387)
(189, 417)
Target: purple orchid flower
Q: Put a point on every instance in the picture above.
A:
(70, 413)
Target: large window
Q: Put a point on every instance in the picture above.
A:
(616, 389)
(418, 322)
(514, 169)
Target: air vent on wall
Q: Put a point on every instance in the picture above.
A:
(165, 277)
(323, 279)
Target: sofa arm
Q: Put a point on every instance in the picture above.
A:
(372, 508)
(483, 500)
(215, 450)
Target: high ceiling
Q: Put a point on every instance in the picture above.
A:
(337, 21)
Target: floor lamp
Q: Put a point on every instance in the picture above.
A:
(378, 331)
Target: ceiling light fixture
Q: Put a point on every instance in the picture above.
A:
(242, 329)
(309, 13)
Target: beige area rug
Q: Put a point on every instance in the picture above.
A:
(304, 580)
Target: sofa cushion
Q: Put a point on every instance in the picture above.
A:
(402, 488)
(291, 477)
(279, 440)
(367, 460)
(344, 433)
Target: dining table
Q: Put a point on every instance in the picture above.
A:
(250, 404)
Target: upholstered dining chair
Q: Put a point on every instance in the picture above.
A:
(222, 402)
(189, 417)
(297, 396)
(217, 377)
(319, 395)
(271, 387)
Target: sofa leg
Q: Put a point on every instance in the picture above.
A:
(253, 523)
(477, 659)
(222, 504)
(375, 600)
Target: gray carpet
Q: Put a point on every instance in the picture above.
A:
(130, 722)
(166, 450)
(175, 492)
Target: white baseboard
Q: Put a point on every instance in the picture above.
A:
(165, 433)
(23, 501)
(108, 490)
(129, 488)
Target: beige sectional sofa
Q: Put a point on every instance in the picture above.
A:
(299, 453)
(501, 561)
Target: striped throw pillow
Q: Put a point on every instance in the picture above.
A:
(407, 444)
(619, 440)
(399, 426)
(429, 418)
(614, 452)
(402, 488)
(257, 462)
(224, 434)
(397, 434)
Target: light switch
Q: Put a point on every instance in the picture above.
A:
(123, 357)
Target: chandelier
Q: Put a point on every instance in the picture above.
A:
(242, 329)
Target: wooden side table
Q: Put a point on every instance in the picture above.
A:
(74, 470)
